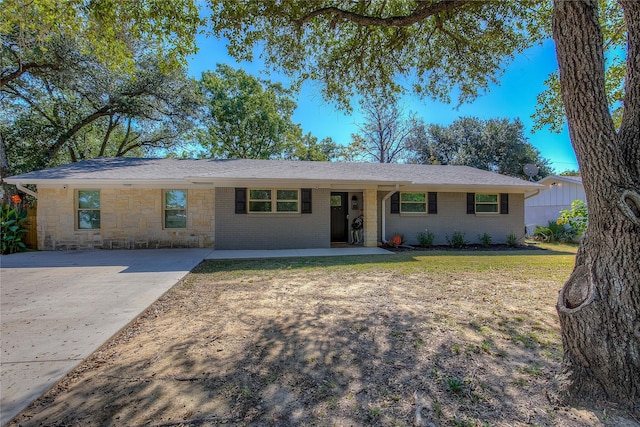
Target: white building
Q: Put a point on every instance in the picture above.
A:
(558, 194)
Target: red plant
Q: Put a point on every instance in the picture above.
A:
(16, 199)
(396, 240)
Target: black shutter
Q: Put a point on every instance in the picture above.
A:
(241, 200)
(305, 196)
(433, 203)
(471, 203)
(504, 203)
(395, 203)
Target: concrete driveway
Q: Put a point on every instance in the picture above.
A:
(57, 308)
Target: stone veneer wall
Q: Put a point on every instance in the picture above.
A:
(130, 218)
(370, 213)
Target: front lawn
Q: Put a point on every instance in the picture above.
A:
(459, 338)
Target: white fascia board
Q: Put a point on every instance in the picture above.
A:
(99, 183)
(289, 183)
(471, 188)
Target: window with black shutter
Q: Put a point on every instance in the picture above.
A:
(395, 203)
(504, 203)
(241, 200)
(433, 202)
(471, 203)
(305, 197)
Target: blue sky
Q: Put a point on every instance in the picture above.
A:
(515, 97)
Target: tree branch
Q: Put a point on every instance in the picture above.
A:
(104, 111)
(421, 12)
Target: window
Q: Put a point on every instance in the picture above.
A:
(88, 209)
(263, 200)
(175, 209)
(413, 202)
(487, 203)
(410, 202)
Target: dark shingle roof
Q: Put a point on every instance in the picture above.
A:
(191, 170)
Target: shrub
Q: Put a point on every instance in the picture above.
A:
(485, 239)
(12, 220)
(554, 232)
(425, 238)
(457, 240)
(576, 217)
(396, 240)
(512, 240)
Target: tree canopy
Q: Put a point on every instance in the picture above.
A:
(108, 30)
(250, 118)
(497, 145)
(386, 131)
(364, 47)
(88, 109)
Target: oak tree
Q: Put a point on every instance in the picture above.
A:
(33, 32)
(436, 46)
(497, 145)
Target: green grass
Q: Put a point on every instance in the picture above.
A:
(551, 263)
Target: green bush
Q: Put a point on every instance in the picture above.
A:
(457, 240)
(554, 232)
(485, 239)
(12, 220)
(512, 240)
(425, 238)
(576, 217)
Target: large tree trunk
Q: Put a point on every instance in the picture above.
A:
(599, 306)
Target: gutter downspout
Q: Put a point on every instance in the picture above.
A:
(532, 194)
(384, 209)
(20, 187)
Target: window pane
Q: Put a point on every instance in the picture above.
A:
(336, 200)
(259, 206)
(175, 219)
(486, 208)
(287, 206)
(89, 199)
(175, 199)
(89, 220)
(287, 194)
(413, 207)
(260, 194)
(487, 198)
(413, 197)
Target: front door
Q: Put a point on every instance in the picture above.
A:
(339, 220)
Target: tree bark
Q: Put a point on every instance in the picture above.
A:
(599, 306)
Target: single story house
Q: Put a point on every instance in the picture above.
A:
(557, 194)
(266, 204)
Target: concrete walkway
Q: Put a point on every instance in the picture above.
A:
(57, 308)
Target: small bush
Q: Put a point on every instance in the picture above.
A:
(485, 239)
(12, 229)
(554, 232)
(396, 240)
(512, 240)
(577, 217)
(425, 238)
(457, 240)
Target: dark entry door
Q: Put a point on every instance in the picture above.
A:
(339, 212)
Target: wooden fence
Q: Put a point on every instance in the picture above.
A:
(30, 238)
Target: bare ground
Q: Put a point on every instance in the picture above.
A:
(286, 342)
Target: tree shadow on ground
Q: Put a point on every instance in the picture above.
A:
(255, 354)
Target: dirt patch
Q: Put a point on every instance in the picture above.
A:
(308, 342)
